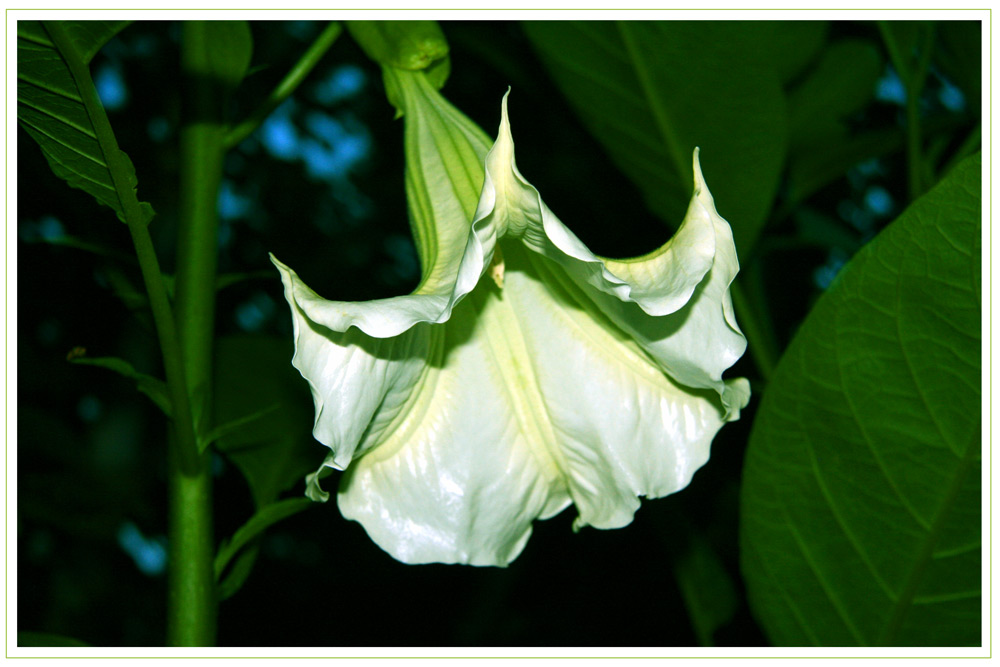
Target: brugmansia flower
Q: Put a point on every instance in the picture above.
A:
(524, 374)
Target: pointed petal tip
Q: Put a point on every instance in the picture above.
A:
(503, 108)
(278, 263)
(699, 178)
(701, 190)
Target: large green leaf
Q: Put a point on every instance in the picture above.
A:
(254, 379)
(861, 507)
(263, 407)
(653, 91)
(842, 82)
(51, 108)
(821, 146)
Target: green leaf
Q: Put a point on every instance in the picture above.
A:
(230, 49)
(811, 170)
(792, 45)
(46, 639)
(232, 427)
(903, 40)
(123, 288)
(959, 54)
(255, 376)
(68, 241)
(861, 505)
(238, 572)
(51, 109)
(253, 529)
(152, 387)
(224, 280)
(708, 590)
(818, 228)
(841, 83)
(651, 92)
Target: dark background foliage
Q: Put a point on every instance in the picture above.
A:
(321, 186)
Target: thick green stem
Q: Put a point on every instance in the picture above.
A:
(192, 604)
(191, 597)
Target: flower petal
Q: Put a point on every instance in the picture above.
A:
(444, 177)
(536, 399)
(622, 426)
(571, 379)
(359, 383)
(458, 480)
(687, 278)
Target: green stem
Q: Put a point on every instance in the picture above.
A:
(192, 603)
(163, 319)
(914, 80)
(295, 76)
(191, 592)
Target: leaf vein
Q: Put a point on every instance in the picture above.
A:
(86, 131)
(829, 590)
(46, 87)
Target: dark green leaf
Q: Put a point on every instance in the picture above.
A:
(237, 555)
(959, 53)
(903, 40)
(46, 639)
(255, 527)
(152, 387)
(651, 92)
(816, 228)
(230, 48)
(791, 45)
(232, 427)
(125, 289)
(842, 83)
(224, 280)
(87, 246)
(253, 375)
(50, 107)
(88, 36)
(861, 507)
(238, 572)
(821, 146)
(708, 590)
(810, 170)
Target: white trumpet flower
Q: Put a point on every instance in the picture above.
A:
(524, 374)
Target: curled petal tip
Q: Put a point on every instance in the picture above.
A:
(314, 492)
